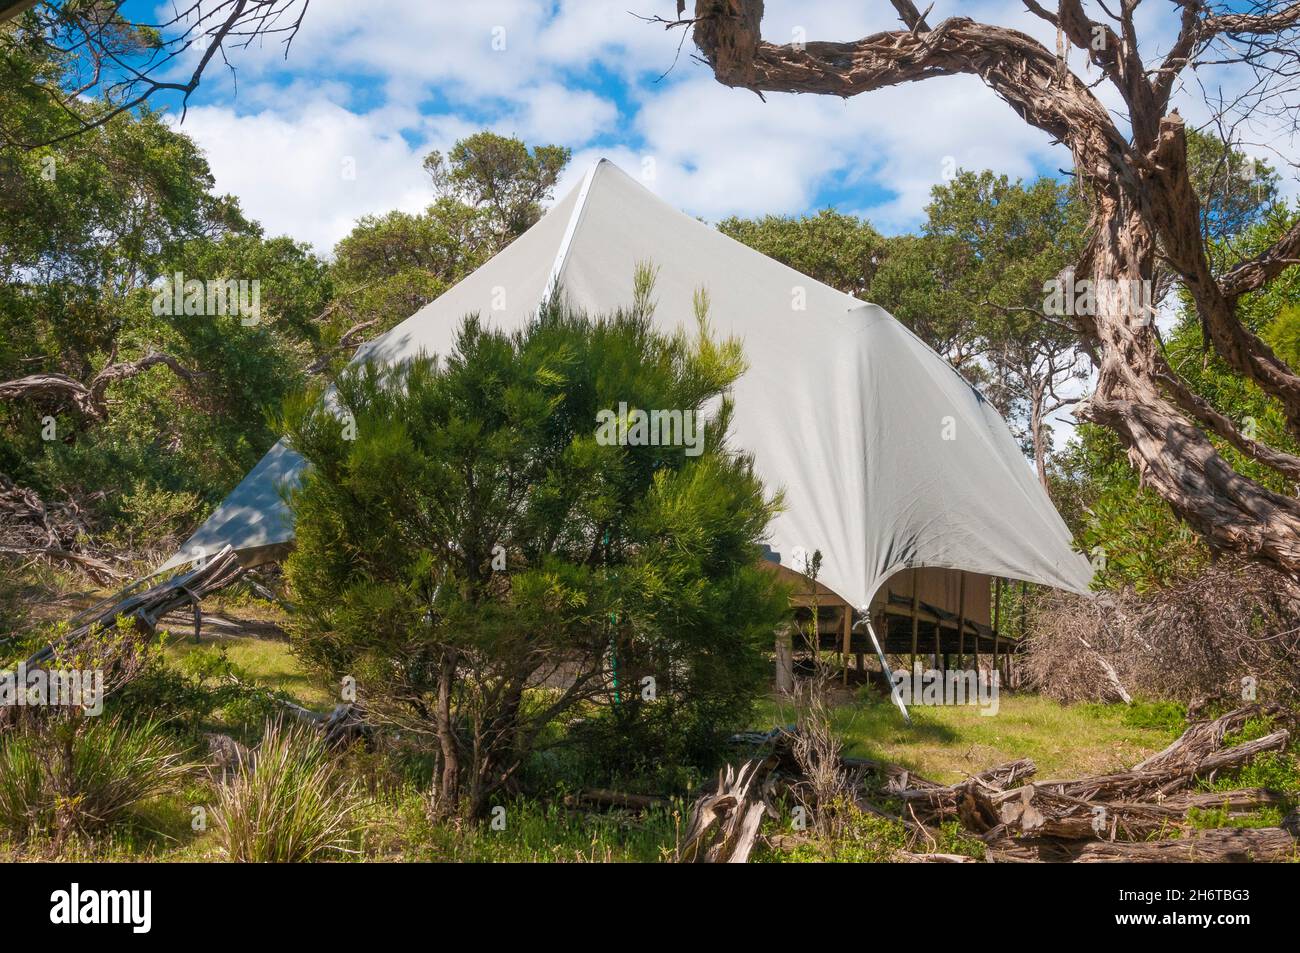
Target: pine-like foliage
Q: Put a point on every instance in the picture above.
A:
(489, 570)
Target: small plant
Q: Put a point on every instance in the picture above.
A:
(1167, 716)
(1219, 817)
(64, 775)
(287, 803)
(1276, 770)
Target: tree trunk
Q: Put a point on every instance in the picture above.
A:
(1170, 455)
(449, 769)
(1036, 434)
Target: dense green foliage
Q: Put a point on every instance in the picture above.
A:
(464, 535)
(838, 250)
(89, 229)
(125, 459)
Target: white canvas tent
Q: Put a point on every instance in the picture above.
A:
(887, 457)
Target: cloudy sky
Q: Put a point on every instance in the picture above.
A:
(372, 87)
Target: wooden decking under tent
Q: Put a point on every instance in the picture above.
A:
(941, 618)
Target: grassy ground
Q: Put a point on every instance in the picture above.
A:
(944, 744)
(269, 661)
(949, 743)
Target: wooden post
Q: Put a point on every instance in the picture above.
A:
(938, 644)
(961, 620)
(1024, 624)
(916, 603)
(997, 617)
(784, 661)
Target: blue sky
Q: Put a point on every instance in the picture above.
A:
(337, 130)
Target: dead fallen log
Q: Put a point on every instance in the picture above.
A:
(933, 803)
(1035, 811)
(146, 607)
(121, 660)
(911, 858)
(605, 798)
(1135, 815)
(1204, 737)
(1217, 845)
(1145, 783)
(1150, 803)
(1132, 806)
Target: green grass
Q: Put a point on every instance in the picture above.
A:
(268, 661)
(1207, 818)
(948, 743)
(536, 832)
(292, 805)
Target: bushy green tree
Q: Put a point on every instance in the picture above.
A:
(125, 422)
(839, 250)
(501, 177)
(486, 567)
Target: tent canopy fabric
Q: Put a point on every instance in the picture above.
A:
(887, 457)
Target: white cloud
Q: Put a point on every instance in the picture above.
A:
(312, 174)
(552, 113)
(410, 75)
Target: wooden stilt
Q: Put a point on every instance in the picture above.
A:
(916, 601)
(1024, 624)
(847, 627)
(938, 644)
(784, 661)
(961, 620)
(997, 619)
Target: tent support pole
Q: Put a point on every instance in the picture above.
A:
(894, 693)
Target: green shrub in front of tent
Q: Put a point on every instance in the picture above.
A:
(493, 573)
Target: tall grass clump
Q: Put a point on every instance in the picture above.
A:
(287, 803)
(63, 776)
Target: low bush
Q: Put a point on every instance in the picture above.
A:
(287, 803)
(59, 776)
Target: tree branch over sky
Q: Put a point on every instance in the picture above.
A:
(1146, 214)
(112, 64)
